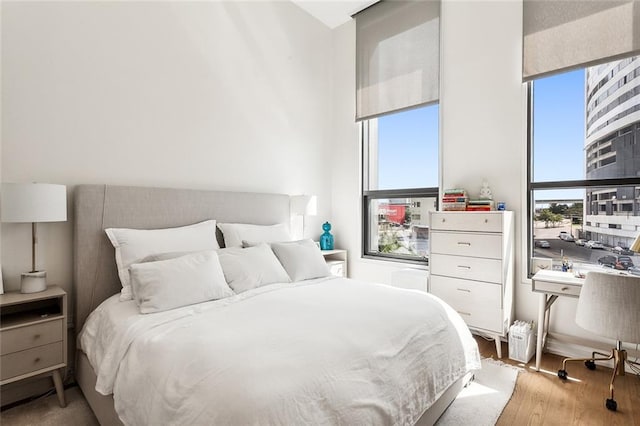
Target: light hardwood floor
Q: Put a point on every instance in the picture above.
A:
(541, 398)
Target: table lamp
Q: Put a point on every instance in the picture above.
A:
(304, 205)
(33, 202)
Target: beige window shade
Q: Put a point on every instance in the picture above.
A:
(397, 56)
(564, 34)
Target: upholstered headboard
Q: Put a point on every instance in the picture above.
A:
(97, 207)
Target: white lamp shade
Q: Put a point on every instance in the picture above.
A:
(304, 205)
(609, 306)
(33, 202)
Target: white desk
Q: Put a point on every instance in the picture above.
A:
(550, 285)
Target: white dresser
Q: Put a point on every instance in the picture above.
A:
(471, 268)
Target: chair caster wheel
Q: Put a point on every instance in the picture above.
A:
(562, 374)
(611, 405)
(590, 365)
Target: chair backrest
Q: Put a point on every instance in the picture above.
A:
(609, 306)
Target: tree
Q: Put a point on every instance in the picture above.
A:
(547, 217)
(560, 209)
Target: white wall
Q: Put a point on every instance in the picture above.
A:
(230, 96)
(483, 128)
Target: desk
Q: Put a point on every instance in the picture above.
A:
(550, 285)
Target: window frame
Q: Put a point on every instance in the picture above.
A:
(370, 195)
(562, 184)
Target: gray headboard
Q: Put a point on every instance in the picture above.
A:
(97, 207)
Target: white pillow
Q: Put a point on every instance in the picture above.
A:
(234, 233)
(245, 269)
(133, 245)
(167, 284)
(301, 259)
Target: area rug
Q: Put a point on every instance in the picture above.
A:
(482, 402)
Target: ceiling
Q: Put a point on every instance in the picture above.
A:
(333, 13)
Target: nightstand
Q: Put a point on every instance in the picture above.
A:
(33, 336)
(337, 261)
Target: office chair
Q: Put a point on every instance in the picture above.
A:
(609, 306)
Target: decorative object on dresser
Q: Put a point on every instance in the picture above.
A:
(337, 261)
(33, 202)
(609, 306)
(304, 205)
(326, 239)
(454, 199)
(471, 268)
(34, 336)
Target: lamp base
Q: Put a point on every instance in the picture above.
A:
(33, 282)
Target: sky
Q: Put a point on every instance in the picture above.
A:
(408, 141)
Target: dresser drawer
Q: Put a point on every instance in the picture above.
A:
(29, 336)
(18, 363)
(474, 268)
(479, 304)
(467, 221)
(467, 244)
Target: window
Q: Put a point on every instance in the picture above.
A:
(584, 161)
(400, 183)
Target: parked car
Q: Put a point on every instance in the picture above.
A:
(580, 242)
(542, 244)
(617, 262)
(594, 245)
(568, 238)
(623, 250)
(562, 234)
(608, 261)
(634, 270)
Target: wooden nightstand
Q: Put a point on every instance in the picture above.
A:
(33, 336)
(337, 261)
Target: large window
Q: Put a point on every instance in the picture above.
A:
(400, 182)
(584, 173)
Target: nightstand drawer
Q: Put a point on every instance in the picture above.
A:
(467, 244)
(34, 359)
(30, 336)
(479, 304)
(473, 268)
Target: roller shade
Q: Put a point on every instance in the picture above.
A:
(397, 56)
(564, 34)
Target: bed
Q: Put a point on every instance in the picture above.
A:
(326, 350)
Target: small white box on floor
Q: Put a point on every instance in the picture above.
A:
(522, 343)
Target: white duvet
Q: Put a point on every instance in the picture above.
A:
(328, 351)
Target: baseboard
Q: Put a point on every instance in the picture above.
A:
(575, 347)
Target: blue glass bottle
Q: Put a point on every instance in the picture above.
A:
(326, 239)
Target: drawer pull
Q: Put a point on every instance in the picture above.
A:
(463, 243)
(464, 313)
(464, 267)
(36, 337)
(564, 289)
(464, 289)
(37, 360)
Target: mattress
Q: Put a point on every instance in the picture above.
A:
(325, 351)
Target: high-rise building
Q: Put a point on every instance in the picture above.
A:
(612, 150)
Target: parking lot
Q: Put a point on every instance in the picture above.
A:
(575, 253)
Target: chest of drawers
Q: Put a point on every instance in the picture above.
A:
(471, 268)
